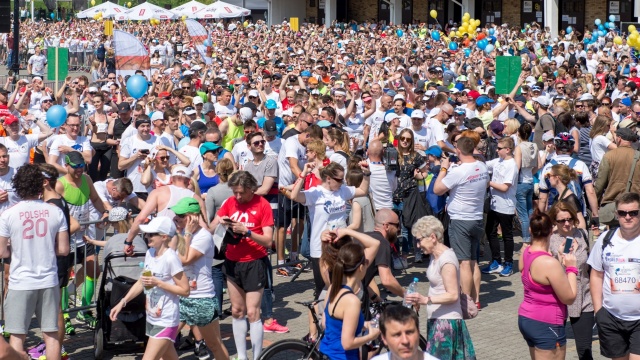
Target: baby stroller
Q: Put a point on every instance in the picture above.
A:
(120, 273)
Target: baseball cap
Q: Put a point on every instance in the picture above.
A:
(245, 113)
(520, 98)
(484, 100)
(93, 89)
(160, 225)
(198, 125)
(10, 119)
(497, 127)
(417, 114)
(208, 146)
(542, 100)
(625, 101)
(585, 97)
(157, 115)
(124, 107)
(312, 80)
(74, 158)
(254, 93)
(186, 205)
(271, 104)
(197, 100)
(390, 116)
(270, 128)
(207, 108)
(474, 94)
(251, 106)
(627, 134)
(627, 123)
(164, 95)
(548, 136)
(459, 110)
(181, 170)
(434, 150)
(354, 86)
(189, 110)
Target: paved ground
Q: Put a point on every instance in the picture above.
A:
(494, 332)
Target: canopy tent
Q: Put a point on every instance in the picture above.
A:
(251, 4)
(189, 9)
(221, 9)
(108, 10)
(147, 11)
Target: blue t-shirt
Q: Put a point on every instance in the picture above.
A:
(279, 124)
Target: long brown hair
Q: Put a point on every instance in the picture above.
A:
(350, 257)
(411, 150)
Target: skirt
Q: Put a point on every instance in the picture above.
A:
(449, 339)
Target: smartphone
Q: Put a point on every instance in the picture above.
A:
(567, 245)
(228, 221)
(144, 151)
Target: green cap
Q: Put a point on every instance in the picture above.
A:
(187, 205)
(208, 146)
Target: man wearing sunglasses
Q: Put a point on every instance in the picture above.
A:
(614, 283)
(68, 142)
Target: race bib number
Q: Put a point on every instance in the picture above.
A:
(625, 278)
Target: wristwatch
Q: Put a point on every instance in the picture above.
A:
(128, 243)
(248, 233)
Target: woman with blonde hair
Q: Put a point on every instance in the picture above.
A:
(338, 141)
(511, 129)
(600, 144)
(559, 178)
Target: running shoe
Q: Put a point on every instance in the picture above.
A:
(492, 268)
(87, 318)
(507, 270)
(274, 327)
(69, 329)
(200, 350)
(283, 271)
(38, 351)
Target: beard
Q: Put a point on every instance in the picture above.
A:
(392, 235)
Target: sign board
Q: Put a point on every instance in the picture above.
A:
(508, 70)
(527, 6)
(57, 64)
(293, 24)
(614, 7)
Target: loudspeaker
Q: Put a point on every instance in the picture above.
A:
(5, 16)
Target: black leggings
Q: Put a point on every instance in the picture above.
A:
(317, 277)
(102, 156)
(583, 334)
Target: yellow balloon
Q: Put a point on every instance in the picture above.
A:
(466, 15)
(631, 28)
(636, 33)
(462, 29)
(246, 23)
(617, 40)
(129, 4)
(477, 22)
(93, 2)
(465, 24)
(633, 37)
(184, 17)
(433, 13)
(458, 33)
(452, 34)
(99, 19)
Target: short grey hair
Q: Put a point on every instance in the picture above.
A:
(426, 226)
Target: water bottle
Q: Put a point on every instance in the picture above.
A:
(375, 322)
(410, 290)
(145, 272)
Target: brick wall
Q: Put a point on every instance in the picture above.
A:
(361, 10)
(510, 12)
(421, 10)
(595, 9)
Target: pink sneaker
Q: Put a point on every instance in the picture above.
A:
(37, 351)
(275, 327)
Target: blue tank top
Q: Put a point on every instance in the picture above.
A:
(331, 344)
(205, 183)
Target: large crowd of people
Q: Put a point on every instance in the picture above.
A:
(369, 146)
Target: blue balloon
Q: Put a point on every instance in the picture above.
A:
(399, 33)
(453, 46)
(489, 48)
(612, 25)
(569, 29)
(482, 44)
(207, 42)
(56, 116)
(612, 18)
(467, 52)
(600, 27)
(435, 35)
(137, 86)
(598, 22)
(53, 15)
(492, 31)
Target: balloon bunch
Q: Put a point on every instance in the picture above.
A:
(129, 4)
(634, 37)
(154, 22)
(98, 16)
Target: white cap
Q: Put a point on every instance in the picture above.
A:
(197, 100)
(542, 100)
(93, 89)
(254, 93)
(196, 68)
(246, 114)
(157, 115)
(181, 170)
(417, 114)
(187, 72)
(585, 97)
(391, 116)
(189, 111)
(398, 96)
(160, 225)
(105, 88)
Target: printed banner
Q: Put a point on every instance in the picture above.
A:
(131, 55)
(198, 37)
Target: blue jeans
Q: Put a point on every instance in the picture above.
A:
(405, 239)
(305, 242)
(218, 281)
(524, 207)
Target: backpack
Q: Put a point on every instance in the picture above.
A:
(572, 60)
(607, 239)
(575, 186)
(100, 51)
(492, 149)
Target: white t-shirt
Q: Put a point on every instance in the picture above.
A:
(327, 211)
(81, 144)
(129, 148)
(193, 153)
(241, 153)
(387, 356)
(162, 306)
(291, 149)
(224, 111)
(467, 183)
(199, 272)
(423, 137)
(101, 189)
(7, 186)
(273, 147)
(598, 147)
(338, 158)
(580, 167)
(374, 121)
(19, 150)
(32, 226)
(504, 172)
(382, 184)
(621, 266)
(435, 128)
(169, 141)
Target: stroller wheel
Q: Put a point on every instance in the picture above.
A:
(98, 342)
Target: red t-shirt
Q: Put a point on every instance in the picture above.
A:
(255, 215)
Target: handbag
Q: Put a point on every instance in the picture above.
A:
(468, 306)
(223, 236)
(607, 213)
(415, 207)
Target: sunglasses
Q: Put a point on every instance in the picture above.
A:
(258, 142)
(560, 87)
(562, 221)
(502, 148)
(111, 78)
(340, 180)
(148, 235)
(394, 224)
(407, 139)
(186, 88)
(632, 213)
(73, 125)
(606, 104)
(47, 101)
(579, 106)
(248, 132)
(77, 166)
(181, 216)
(163, 158)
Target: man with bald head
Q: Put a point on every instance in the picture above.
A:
(303, 121)
(383, 183)
(375, 117)
(435, 125)
(387, 226)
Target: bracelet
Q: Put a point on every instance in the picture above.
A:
(186, 233)
(571, 269)
(128, 243)
(368, 173)
(124, 303)
(443, 169)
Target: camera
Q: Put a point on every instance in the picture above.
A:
(390, 157)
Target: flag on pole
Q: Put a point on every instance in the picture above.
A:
(198, 36)
(131, 55)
